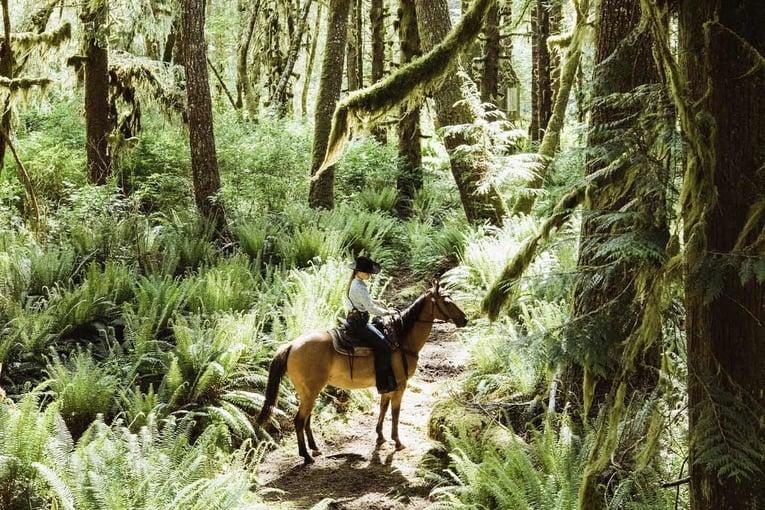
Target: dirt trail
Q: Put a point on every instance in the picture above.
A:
(352, 473)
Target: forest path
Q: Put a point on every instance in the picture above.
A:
(352, 473)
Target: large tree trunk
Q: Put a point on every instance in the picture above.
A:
(204, 163)
(98, 122)
(722, 46)
(409, 148)
(321, 194)
(469, 173)
(608, 308)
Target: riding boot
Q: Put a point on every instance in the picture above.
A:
(386, 382)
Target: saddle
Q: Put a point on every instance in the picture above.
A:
(348, 344)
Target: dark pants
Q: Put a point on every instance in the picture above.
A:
(383, 371)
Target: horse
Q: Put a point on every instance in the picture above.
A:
(311, 362)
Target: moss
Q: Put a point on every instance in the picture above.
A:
(406, 87)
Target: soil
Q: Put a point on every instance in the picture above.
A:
(353, 473)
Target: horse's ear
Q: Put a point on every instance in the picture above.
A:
(436, 284)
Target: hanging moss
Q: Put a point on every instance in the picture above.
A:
(24, 41)
(404, 88)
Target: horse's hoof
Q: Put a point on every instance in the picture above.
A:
(380, 440)
(399, 447)
(308, 460)
(316, 453)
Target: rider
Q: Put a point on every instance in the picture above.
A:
(360, 304)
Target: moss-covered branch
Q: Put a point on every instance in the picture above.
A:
(501, 291)
(406, 86)
(23, 41)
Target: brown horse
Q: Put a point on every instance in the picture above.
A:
(312, 363)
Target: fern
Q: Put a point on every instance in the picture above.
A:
(726, 436)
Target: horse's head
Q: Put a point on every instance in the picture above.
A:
(444, 308)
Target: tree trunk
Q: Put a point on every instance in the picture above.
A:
(355, 61)
(321, 194)
(98, 122)
(469, 173)
(608, 308)
(377, 24)
(279, 99)
(245, 96)
(409, 149)
(7, 64)
(722, 46)
(309, 62)
(544, 23)
(552, 131)
(491, 54)
(204, 163)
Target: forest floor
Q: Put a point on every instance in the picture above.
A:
(353, 473)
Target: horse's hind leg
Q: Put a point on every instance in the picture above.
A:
(384, 402)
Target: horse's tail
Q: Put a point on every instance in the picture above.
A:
(275, 374)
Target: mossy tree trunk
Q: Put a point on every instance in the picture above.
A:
(722, 45)
(491, 55)
(309, 61)
(354, 60)
(204, 163)
(409, 134)
(377, 26)
(279, 99)
(321, 194)
(545, 21)
(608, 305)
(98, 121)
(469, 173)
(245, 95)
(7, 65)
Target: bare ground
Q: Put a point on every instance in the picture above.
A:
(353, 473)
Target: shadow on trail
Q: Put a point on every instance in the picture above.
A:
(343, 477)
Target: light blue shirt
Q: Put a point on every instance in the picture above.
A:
(359, 298)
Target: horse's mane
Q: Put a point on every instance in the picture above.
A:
(410, 315)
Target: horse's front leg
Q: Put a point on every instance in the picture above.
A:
(384, 402)
(303, 427)
(395, 410)
(309, 434)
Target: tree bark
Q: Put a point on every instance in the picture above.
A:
(309, 62)
(98, 121)
(491, 54)
(469, 174)
(544, 23)
(321, 194)
(551, 138)
(204, 163)
(245, 96)
(377, 24)
(279, 99)
(722, 46)
(354, 60)
(409, 149)
(608, 308)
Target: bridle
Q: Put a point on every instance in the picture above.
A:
(436, 304)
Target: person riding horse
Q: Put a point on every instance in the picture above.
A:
(359, 305)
